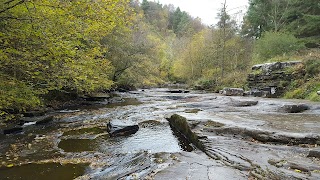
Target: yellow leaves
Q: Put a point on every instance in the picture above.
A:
(10, 165)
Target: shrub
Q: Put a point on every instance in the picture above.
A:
(15, 96)
(274, 44)
(312, 67)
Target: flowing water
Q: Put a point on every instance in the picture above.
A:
(77, 145)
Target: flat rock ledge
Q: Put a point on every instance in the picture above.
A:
(200, 134)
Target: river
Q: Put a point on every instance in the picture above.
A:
(241, 141)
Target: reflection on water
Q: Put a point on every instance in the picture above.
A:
(152, 138)
(49, 171)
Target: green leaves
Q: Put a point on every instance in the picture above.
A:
(274, 44)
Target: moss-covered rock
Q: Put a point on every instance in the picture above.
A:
(181, 124)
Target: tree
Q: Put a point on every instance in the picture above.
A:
(55, 45)
(227, 27)
(306, 16)
(265, 15)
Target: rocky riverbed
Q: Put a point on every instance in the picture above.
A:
(209, 136)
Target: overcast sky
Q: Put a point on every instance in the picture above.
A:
(207, 9)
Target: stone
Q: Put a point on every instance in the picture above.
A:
(244, 103)
(180, 124)
(12, 129)
(268, 67)
(256, 93)
(294, 108)
(318, 92)
(314, 153)
(232, 91)
(116, 129)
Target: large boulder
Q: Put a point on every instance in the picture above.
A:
(115, 129)
(293, 108)
(232, 91)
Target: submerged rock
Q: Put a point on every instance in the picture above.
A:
(294, 108)
(232, 91)
(116, 129)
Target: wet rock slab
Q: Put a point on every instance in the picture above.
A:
(130, 166)
(233, 147)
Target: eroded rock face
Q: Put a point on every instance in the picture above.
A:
(269, 67)
(271, 79)
(293, 108)
(232, 91)
(115, 129)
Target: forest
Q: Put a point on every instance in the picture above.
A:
(52, 48)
